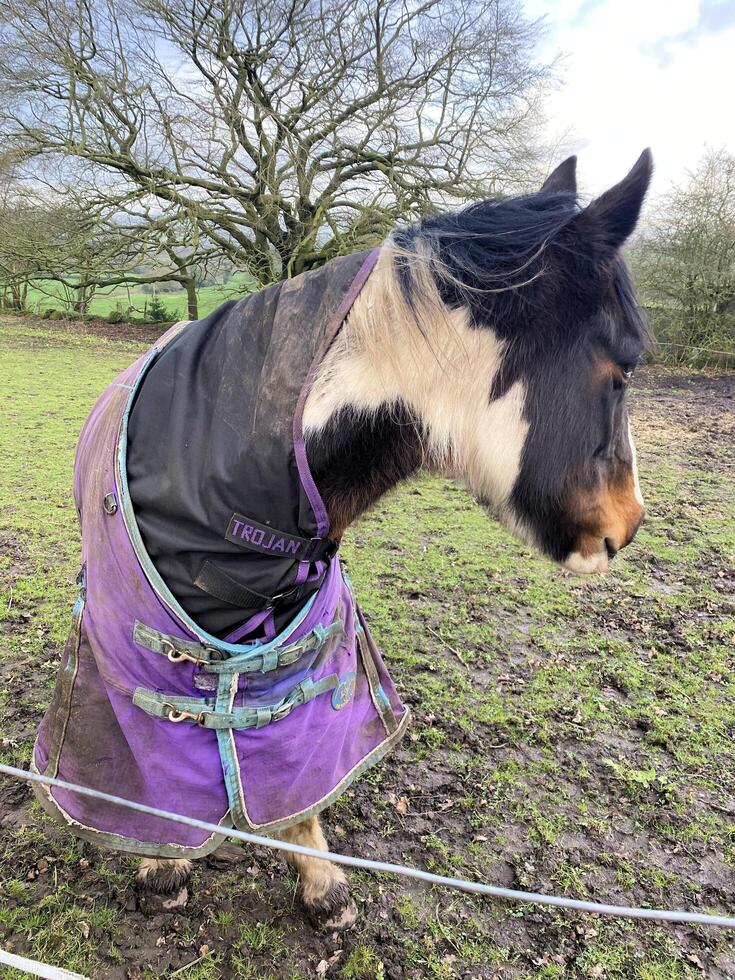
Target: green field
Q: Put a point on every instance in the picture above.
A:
(569, 736)
(105, 301)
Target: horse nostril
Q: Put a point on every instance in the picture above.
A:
(611, 549)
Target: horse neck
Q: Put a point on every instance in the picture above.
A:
(401, 388)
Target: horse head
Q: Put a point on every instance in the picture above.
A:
(496, 345)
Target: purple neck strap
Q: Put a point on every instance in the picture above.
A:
(307, 480)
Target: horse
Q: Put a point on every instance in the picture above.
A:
(493, 345)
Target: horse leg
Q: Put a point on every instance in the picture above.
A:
(322, 885)
(162, 883)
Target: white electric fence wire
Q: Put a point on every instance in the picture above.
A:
(477, 888)
(37, 969)
(708, 350)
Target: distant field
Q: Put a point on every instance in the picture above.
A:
(50, 296)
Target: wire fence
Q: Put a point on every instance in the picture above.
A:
(37, 969)
(367, 864)
(695, 347)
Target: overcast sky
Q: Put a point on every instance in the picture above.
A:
(636, 73)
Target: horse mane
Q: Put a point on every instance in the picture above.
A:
(483, 254)
(509, 261)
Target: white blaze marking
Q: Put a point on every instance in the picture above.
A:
(636, 484)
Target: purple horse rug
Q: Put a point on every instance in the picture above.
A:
(217, 665)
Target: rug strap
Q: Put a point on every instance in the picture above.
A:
(215, 581)
(255, 659)
(201, 711)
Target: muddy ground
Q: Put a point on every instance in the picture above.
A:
(569, 736)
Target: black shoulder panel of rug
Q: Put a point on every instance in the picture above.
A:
(210, 440)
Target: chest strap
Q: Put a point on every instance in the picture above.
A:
(203, 712)
(215, 661)
(215, 581)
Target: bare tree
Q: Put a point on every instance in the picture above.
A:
(138, 243)
(686, 259)
(286, 131)
(76, 242)
(21, 222)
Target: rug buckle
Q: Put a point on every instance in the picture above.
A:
(282, 712)
(176, 655)
(176, 715)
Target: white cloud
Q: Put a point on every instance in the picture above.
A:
(658, 73)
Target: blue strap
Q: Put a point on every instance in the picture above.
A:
(203, 712)
(259, 659)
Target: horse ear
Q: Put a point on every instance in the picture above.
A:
(564, 178)
(612, 217)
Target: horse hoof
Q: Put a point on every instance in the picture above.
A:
(152, 903)
(341, 921)
(336, 911)
(162, 885)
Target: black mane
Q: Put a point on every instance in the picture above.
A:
(518, 266)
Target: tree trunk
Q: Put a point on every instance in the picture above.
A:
(85, 292)
(192, 310)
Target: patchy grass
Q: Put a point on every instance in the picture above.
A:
(569, 735)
